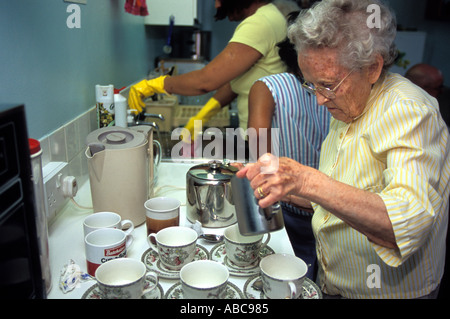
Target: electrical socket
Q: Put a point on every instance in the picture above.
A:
(54, 173)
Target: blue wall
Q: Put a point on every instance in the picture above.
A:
(54, 69)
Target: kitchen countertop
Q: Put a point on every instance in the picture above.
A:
(66, 240)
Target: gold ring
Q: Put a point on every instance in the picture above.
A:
(260, 192)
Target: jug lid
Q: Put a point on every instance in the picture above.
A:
(213, 171)
(115, 137)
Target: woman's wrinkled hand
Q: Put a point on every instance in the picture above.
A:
(273, 178)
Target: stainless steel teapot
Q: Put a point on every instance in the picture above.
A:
(209, 195)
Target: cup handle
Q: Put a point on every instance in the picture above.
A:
(149, 240)
(127, 223)
(292, 290)
(156, 279)
(129, 240)
(266, 241)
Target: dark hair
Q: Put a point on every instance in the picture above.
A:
(287, 51)
(230, 6)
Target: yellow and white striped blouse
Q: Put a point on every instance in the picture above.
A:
(398, 148)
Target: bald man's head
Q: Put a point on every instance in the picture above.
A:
(427, 77)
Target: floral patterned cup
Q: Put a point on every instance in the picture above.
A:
(204, 279)
(282, 276)
(243, 251)
(175, 246)
(124, 278)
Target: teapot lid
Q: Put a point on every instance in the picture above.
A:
(213, 171)
(115, 137)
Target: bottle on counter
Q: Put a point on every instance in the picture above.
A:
(41, 216)
(120, 109)
(104, 95)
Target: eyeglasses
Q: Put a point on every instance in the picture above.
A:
(326, 92)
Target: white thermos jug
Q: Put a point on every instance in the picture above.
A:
(120, 162)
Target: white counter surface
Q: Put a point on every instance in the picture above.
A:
(66, 240)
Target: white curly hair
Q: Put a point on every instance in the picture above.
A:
(343, 24)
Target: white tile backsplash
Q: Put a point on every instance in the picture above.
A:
(68, 144)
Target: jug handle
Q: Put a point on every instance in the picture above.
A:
(158, 156)
(271, 211)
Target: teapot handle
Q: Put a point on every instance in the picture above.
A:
(158, 156)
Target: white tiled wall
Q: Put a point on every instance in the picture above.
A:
(68, 144)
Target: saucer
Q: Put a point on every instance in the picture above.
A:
(158, 293)
(151, 259)
(310, 290)
(176, 292)
(219, 254)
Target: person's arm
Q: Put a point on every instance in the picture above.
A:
(233, 61)
(261, 106)
(222, 97)
(225, 95)
(362, 210)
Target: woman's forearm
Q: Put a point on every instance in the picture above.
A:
(362, 210)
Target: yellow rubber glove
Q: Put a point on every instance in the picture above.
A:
(144, 89)
(211, 108)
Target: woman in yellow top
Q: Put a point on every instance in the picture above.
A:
(250, 54)
(381, 193)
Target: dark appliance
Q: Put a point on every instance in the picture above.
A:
(191, 43)
(20, 269)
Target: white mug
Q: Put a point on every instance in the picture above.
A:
(242, 250)
(106, 220)
(175, 246)
(282, 276)
(105, 244)
(124, 278)
(204, 279)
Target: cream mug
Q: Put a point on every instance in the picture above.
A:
(161, 212)
(106, 220)
(204, 279)
(124, 278)
(243, 251)
(105, 244)
(176, 246)
(282, 276)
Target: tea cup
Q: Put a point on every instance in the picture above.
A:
(176, 246)
(282, 276)
(124, 278)
(107, 220)
(204, 279)
(243, 251)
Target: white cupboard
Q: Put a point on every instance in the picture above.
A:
(185, 12)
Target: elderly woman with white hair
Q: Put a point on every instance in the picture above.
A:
(381, 193)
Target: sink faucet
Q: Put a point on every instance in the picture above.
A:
(140, 121)
(156, 116)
